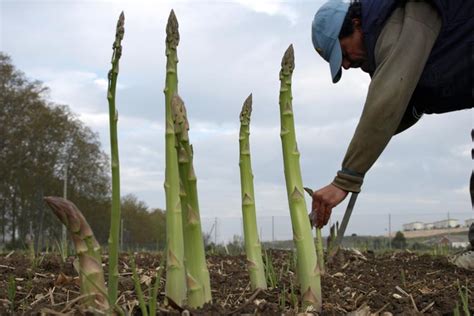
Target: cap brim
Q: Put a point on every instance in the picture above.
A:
(335, 62)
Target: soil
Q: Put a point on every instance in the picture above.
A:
(401, 283)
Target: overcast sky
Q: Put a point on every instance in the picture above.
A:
(229, 49)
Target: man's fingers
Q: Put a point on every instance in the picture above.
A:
(323, 202)
(323, 213)
(327, 214)
(316, 203)
(320, 215)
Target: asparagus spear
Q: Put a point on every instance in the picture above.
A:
(197, 274)
(308, 278)
(319, 239)
(91, 275)
(175, 273)
(113, 118)
(253, 248)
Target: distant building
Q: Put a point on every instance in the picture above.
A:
(413, 226)
(453, 241)
(429, 226)
(469, 221)
(446, 223)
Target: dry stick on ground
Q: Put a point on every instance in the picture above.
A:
(7, 267)
(245, 290)
(424, 310)
(408, 295)
(73, 301)
(247, 302)
(87, 248)
(381, 309)
(48, 311)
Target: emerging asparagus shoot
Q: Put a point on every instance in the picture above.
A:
(307, 267)
(91, 275)
(319, 239)
(253, 248)
(113, 118)
(175, 273)
(197, 274)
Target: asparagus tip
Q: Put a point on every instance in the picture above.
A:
(179, 116)
(246, 110)
(177, 105)
(172, 33)
(56, 204)
(121, 22)
(65, 211)
(288, 61)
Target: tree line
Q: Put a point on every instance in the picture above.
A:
(46, 150)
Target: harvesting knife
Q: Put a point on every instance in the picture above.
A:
(342, 228)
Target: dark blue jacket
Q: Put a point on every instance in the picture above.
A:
(447, 81)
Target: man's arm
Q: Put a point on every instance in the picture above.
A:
(409, 119)
(401, 53)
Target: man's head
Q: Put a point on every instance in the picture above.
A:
(337, 36)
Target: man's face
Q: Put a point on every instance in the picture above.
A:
(354, 54)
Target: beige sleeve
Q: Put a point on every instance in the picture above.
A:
(401, 52)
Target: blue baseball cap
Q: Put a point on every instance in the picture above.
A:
(327, 24)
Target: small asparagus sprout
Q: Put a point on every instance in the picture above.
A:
(319, 239)
(332, 237)
(138, 287)
(154, 289)
(320, 252)
(11, 291)
(270, 270)
(175, 272)
(197, 274)
(91, 275)
(253, 248)
(113, 118)
(307, 266)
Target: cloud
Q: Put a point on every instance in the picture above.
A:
(102, 83)
(83, 90)
(271, 7)
(95, 120)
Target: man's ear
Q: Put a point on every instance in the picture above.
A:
(356, 23)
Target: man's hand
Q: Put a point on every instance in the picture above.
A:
(324, 200)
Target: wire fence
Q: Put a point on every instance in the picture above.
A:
(221, 230)
(276, 231)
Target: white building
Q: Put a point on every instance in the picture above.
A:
(450, 241)
(446, 223)
(429, 226)
(469, 221)
(454, 241)
(413, 226)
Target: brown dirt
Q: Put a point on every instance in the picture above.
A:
(350, 283)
